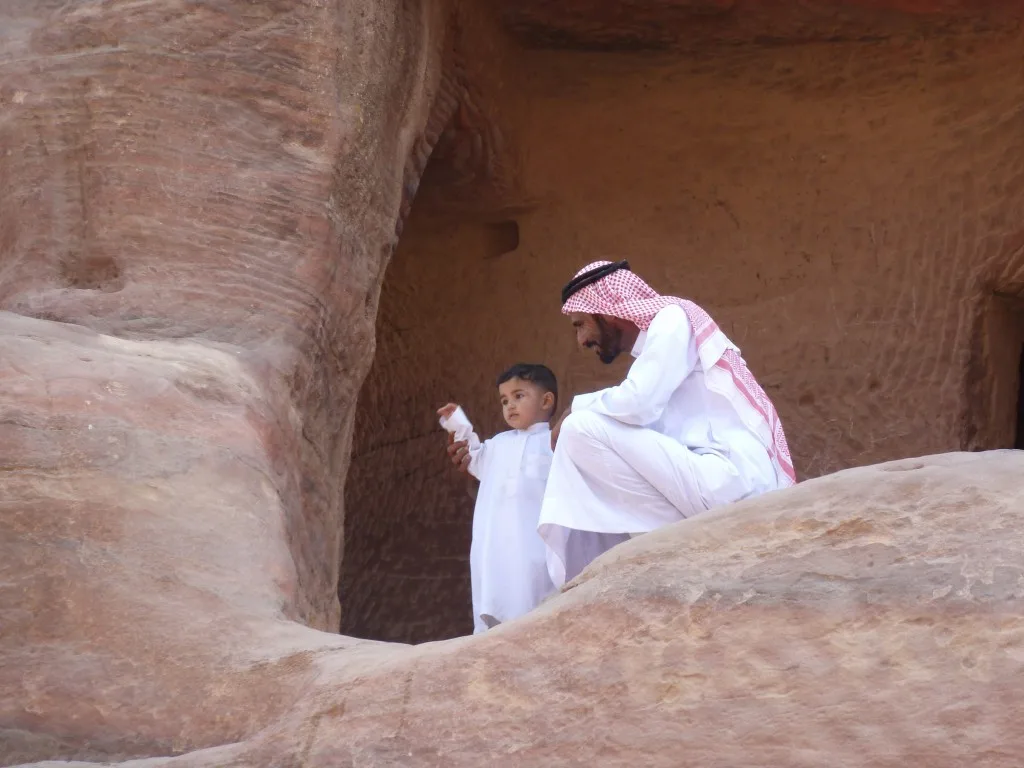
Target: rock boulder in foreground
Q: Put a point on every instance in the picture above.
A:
(870, 618)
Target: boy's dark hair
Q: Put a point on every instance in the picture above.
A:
(536, 373)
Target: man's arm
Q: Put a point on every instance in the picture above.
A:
(555, 430)
(659, 370)
(466, 458)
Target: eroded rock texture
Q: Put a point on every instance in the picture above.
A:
(870, 618)
(197, 204)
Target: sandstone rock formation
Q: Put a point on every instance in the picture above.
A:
(198, 201)
(870, 618)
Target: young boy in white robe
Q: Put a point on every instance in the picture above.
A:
(508, 558)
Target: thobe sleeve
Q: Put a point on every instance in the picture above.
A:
(661, 367)
(462, 428)
(478, 455)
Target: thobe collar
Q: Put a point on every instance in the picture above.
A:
(539, 426)
(638, 347)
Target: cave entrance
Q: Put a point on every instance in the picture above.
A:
(995, 379)
(442, 334)
(1018, 440)
(741, 172)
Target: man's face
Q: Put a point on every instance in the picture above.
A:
(599, 333)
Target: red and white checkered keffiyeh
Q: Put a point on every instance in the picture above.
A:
(624, 295)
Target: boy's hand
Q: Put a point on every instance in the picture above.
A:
(447, 411)
(458, 451)
(558, 427)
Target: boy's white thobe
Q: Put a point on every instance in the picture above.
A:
(655, 449)
(507, 559)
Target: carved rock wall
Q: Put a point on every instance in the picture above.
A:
(848, 211)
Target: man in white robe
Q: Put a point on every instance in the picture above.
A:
(688, 430)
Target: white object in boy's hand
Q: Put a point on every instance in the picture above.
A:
(458, 424)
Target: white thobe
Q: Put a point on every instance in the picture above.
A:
(507, 558)
(655, 449)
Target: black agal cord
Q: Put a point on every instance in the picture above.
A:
(591, 276)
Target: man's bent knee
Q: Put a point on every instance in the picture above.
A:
(582, 428)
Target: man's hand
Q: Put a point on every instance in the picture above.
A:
(558, 427)
(458, 452)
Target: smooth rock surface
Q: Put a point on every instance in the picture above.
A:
(870, 618)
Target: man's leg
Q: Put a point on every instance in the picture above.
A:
(624, 479)
(610, 480)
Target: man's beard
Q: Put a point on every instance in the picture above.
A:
(610, 342)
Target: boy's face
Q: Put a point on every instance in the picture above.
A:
(524, 404)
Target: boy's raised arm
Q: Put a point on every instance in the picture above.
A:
(464, 447)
